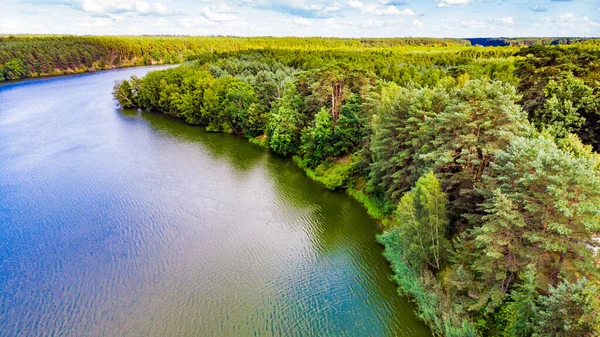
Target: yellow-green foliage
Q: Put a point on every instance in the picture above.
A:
(334, 175)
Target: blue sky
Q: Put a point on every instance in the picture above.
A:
(350, 18)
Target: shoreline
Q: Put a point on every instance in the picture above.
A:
(46, 77)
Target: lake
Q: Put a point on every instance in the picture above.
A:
(129, 223)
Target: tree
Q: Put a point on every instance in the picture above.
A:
(211, 110)
(423, 222)
(399, 136)
(568, 105)
(285, 122)
(122, 92)
(284, 131)
(524, 304)
(239, 96)
(316, 140)
(350, 128)
(332, 85)
(192, 98)
(15, 69)
(551, 207)
(501, 253)
(256, 120)
(569, 310)
(480, 118)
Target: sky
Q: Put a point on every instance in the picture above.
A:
(353, 18)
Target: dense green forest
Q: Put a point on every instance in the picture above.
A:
(31, 56)
(480, 163)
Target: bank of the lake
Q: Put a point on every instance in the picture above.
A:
(133, 223)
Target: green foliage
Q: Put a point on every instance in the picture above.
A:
(284, 124)
(436, 147)
(567, 104)
(239, 96)
(350, 130)
(559, 88)
(375, 207)
(435, 307)
(123, 93)
(333, 175)
(569, 310)
(522, 306)
(15, 69)
(558, 199)
(317, 139)
(479, 119)
(398, 133)
(422, 217)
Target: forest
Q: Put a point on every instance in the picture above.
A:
(480, 162)
(27, 56)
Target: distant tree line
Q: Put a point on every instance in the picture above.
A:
(527, 41)
(30, 56)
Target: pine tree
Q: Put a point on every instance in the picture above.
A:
(558, 196)
(481, 118)
(569, 310)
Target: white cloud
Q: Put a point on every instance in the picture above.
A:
(505, 21)
(449, 3)
(570, 20)
(466, 23)
(346, 18)
(97, 22)
(393, 10)
(195, 22)
(217, 14)
(388, 10)
(393, 2)
(355, 4)
(332, 23)
(106, 7)
(301, 22)
(478, 24)
(11, 25)
(161, 9)
(142, 7)
(417, 24)
(370, 23)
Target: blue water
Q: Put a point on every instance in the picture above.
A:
(123, 223)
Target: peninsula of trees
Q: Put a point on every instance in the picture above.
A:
(481, 163)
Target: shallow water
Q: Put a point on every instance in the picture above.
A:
(121, 223)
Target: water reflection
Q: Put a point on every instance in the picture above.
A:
(122, 223)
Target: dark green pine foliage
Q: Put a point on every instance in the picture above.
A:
(569, 106)
(557, 196)
(350, 130)
(569, 310)
(399, 134)
(479, 119)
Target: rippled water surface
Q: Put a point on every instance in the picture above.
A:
(121, 223)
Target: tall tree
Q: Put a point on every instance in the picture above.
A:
(551, 211)
(423, 222)
(480, 118)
